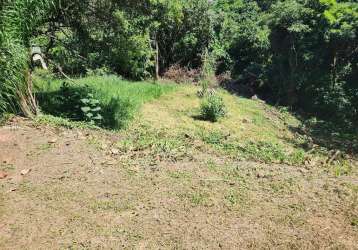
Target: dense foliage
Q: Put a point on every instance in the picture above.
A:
(300, 53)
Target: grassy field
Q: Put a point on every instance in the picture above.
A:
(170, 180)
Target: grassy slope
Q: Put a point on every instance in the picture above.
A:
(252, 130)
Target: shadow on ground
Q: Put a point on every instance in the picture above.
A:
(332, 136)
(329, 135)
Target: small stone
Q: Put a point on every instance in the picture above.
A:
(114, 151)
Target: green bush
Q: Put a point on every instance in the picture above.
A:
(76, 103)
(212, 108)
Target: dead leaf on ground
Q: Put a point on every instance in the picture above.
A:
(52, 141)
(25, 171)
(3, 175)
(12, 190)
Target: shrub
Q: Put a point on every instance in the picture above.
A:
(212, 108)
(76, 103)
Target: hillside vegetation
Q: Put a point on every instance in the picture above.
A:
(178, 124)
(296, 53)
(172, 180)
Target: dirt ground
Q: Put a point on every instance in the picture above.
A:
(72, 189)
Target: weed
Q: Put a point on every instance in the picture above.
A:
(283, 186)
(180, 175)
(213, 137)
(44, 147)
(157, 144)
(297, 157)
(4, 118)
(212, 108)
(232, 197)
(235, 175)
(267, 152)
(95, 142)
(91, 109)
(264, 151)
(212, 165)
(342, 168)
(204, 89)
(62, 122)
(109, 205)
(198, 198)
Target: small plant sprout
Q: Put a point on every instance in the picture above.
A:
(91, 109)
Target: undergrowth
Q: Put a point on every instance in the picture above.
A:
(166, 129)
(109, 99)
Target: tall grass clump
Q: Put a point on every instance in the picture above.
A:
(119, 100)
(18, 19)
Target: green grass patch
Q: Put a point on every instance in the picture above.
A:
(265, 151)
(158, 143)
(118, 99)
(62, 122)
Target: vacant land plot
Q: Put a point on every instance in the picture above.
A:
(172, 181)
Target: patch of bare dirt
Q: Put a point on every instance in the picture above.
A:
(80, 192)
